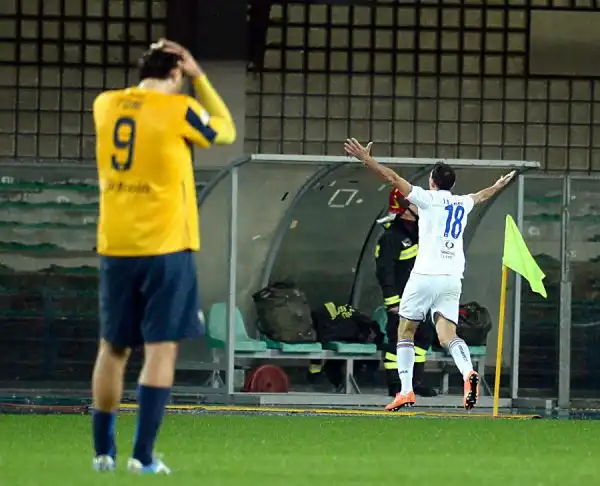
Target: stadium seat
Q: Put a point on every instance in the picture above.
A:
(294, 348)
(478, 351)
(351, 348)
(217, 331)
(380, 317)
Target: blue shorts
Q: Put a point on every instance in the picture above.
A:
(149, 299)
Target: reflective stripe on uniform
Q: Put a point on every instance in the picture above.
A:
(314, 369)
(420, 355)
(410, 252)
(393, 300)
(390, 361)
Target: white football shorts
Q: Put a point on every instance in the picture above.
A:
(435, 293)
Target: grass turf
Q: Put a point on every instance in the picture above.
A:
(51, 450)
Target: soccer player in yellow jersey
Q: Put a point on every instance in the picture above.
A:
(147, 231)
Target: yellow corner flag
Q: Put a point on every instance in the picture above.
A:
(517, 257)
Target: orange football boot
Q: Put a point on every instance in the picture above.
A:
(471, 390)
(402, 400)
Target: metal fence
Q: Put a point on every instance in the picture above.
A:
(560, 336)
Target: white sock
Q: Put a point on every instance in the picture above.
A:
(459, 351)
(405, 355)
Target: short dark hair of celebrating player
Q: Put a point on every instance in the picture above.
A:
(156, 63)
(443, 176)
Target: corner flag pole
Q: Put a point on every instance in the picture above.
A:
(518, 258)
(500, 339)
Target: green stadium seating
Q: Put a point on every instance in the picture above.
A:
(294, 348)
(351, 348)
(380, 317)
(217, 331)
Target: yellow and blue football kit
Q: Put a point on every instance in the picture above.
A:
(148, 223)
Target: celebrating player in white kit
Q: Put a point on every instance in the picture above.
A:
(435, 283)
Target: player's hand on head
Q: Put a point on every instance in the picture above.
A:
(355, 149)
(188, 64)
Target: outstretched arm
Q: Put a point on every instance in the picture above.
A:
(354, 148)
(488, 192)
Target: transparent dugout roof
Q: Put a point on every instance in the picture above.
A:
(311, 220)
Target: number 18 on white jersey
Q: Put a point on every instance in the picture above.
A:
(442, 224)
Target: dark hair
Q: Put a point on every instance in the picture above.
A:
(443, 176)
(157, 64)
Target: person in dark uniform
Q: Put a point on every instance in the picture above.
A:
(395, 256)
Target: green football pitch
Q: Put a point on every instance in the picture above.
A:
(256, 450)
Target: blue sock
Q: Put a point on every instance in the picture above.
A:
(151, 403)
(103, 426)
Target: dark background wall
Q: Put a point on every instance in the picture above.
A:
(510, 79)
(57, 55)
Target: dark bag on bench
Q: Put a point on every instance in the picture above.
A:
(284, 314)
(474, 324)
(345, 324)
